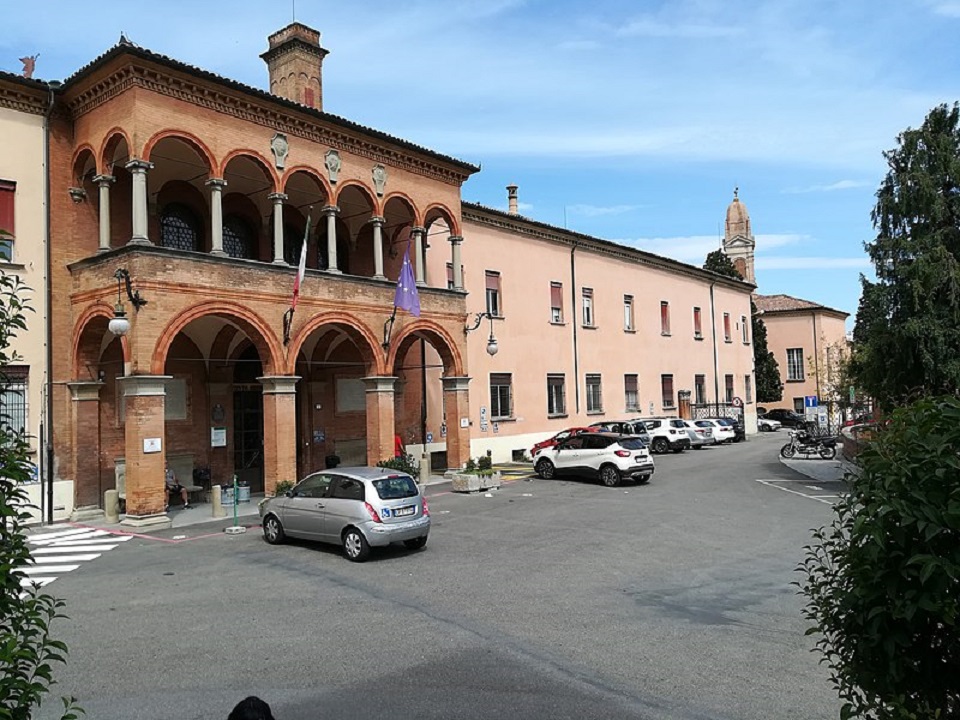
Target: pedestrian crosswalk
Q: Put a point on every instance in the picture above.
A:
(57, 553)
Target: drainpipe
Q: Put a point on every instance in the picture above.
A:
(716, 363)
(573, 317)
(48, 440)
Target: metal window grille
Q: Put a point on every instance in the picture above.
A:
(237, 238)
(666, 391)
(594, 394)
(631, 394)
(794, 363)
(179, 228)
(556, 395)
(14, 414)
(501, 387)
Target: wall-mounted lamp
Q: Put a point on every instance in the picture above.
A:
(492, 346)
(119, 324)
(77, 194)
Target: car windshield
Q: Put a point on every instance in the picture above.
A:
(633, 443)
(677, 423)
(396, 487)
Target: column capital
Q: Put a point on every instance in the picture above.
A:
(139, 166)
(277, 198)
(455, 384)
(81, 390)
(104, 180)
(144, 385)
(331, 210)
(378, 220)
(418, 229)
(455, 239)
(216, 183)
(279, 384)
(380, 383)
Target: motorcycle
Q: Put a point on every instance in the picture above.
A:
(803, 442)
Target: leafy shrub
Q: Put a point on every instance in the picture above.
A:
(405, 463)
(485, 463)
(883, 581)
(284, 486)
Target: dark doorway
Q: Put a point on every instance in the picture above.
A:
(248, 420)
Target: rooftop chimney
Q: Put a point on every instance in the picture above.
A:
(294, 61)
(512, 200)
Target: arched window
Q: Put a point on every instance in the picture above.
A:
(237, 237)
(179, 227)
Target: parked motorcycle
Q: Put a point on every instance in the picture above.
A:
(804, 443)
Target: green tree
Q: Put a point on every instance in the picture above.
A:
(765, 367)
(27, 649)
(883, 581)
(907, 332)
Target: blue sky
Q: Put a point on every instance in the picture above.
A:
(632, 121)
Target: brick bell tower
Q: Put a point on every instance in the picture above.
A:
(295, 61)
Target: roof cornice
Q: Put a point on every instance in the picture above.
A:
(23, 94)
(532, 228)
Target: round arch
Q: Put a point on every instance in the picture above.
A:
(187, 137)
(111, 140)
(306, 170)
(96, 314)
(84, 149)
(439, 211)
(407, 202)
(354, 328)
(255, 157)
(368, 194)
(437, 336)
(260, 334)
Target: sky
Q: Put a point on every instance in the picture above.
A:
(629, 120)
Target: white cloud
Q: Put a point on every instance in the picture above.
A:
(812, 263)
(598, 210)
(947, 8)
(830, 187)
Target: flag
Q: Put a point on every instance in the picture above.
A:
(303, 267)
(407, 297)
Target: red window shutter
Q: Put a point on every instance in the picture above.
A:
(665, 317)
(7, 195)
(697, 322)
(556, 295)
(493, 281)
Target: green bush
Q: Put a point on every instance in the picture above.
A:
(883, 581)
(284, 486)
(404, 463)
(485, 463)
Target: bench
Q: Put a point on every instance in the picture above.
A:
(182, 466)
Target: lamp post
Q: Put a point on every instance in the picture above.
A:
(492, 345)
(119, 324)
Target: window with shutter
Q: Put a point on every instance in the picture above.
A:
(493, 293)
(501, 391)
(556, 302)
(8, 229)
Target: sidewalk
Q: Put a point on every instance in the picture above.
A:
(823, 471)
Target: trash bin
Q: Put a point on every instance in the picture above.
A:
(243, 493)
(331, 461)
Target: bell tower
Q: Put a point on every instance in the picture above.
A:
(295, 61)
(738, 241)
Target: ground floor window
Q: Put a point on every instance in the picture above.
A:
(501, 387)
(631, 394)
(666, 391)
(728, 387)
(798, 405)
(700, 389)
(594, 394)
(13, 398)
(556, 395)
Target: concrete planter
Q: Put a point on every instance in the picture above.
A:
(471, 482)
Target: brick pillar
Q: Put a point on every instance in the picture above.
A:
(279, 430)
(456, 403)
(86, 463)
(380, 418)
(143, 430)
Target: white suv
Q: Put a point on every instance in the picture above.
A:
(667, 434)
(608, 456)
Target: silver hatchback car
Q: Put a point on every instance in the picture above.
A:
(356, 507)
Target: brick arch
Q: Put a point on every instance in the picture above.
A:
(78, 154)
(434, 334)
(259, 333)
(110, 141)
(366, 342)
(89, 316)
(307, 170)
(371, 196)
(439, 210)
(189, 138)
(257, 158)
(405, 199)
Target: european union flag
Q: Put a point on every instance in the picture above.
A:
(407, 298)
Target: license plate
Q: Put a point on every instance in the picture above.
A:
(404, 511)
(640, 458)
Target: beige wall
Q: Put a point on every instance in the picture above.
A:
(22, 162)
(813, 331)
(531, 346)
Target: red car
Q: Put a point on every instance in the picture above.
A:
(562, 435)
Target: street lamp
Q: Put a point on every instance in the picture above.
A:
(119, 324)
(492, 346)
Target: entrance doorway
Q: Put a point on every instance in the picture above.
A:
(248, 420)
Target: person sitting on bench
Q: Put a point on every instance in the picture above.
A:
(173, 486)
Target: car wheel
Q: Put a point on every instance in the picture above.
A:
(788, 451)
(273, 530)
(660, 446)
(609, 476)
(355, 545)
(828, 452)
(545, 469)
(416, 543)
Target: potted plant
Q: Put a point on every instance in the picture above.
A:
(476, 475)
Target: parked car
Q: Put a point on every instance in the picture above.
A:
(356, 507)
(699, 436)
(739, 432)
(667, 434)
(562, 435)
(787, 418)
(607, 456)
(721, 433)
(765, 424)
(623, 427)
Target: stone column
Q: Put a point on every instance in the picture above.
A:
(216, 186)
(104, 182)
(421, 264)
(279, 430)
(86, 456)
(145, 450)
(331, 212)
(381, 427)
(138, 169)
(455, 242)
(456, 402)
(378, 223)
(278, 200)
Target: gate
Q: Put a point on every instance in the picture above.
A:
(717, 410)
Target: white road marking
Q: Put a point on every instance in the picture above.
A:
(61, 533)
(85, 543)
(813, 487)
(71, 548)
(88, 535)
(772, 483)
(36, 582)
(60, 552)
(46, 560)
(35, 569)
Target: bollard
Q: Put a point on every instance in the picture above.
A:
(111, 506)
(424, 468)
(216, 502)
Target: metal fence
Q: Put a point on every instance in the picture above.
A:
(716, 410)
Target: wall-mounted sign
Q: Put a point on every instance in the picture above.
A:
(218, 437)
(152, 445)
(429, 437)
(464, 422)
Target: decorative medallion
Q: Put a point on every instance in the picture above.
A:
(379, 178)
(217, 414)
(332, 161)
(280, 148)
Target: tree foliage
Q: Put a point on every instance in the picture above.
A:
(883, 581)
(27, 649)
(907, 333)
(765, 367)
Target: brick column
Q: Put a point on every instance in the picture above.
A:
(455, 242)
(378, 223)
(104, 182)
(138, 169)
(143, 426)
(86, 462)
(216, 186)
(331, 212)
(456, 403)
(380, 418)
(279, 430)
(277, 199)
(421, 265)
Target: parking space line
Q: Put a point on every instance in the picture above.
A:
(772, 483)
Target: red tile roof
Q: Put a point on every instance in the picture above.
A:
(787, 303)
